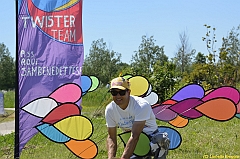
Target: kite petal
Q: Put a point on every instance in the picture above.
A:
(83, 149)
(95, 83)
(238, 116)
(169, 101)
(142, 148)
(152, 98)
(67, 93)
(40, 107)
(224, 92)
(149, 90)
(127, 76)
(173, 135)
(75, 127)
(179, 122)
(185, 108)
(139, 85)
(189, 91)
(86, 83)
(218, 109)
(163, 113)
(62, 111)
(52, 133)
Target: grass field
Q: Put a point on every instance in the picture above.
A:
(201, 138)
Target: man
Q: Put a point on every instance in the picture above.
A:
(130, 113)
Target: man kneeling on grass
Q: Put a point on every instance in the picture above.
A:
(132, 113)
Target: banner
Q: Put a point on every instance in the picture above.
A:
(50, 54)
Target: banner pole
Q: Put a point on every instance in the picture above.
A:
(16, 145)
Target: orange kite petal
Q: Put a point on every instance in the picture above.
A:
(82, 149)
(179, 122)
(218, 109)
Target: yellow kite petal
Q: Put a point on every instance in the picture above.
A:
(75, 127)
(138, 85)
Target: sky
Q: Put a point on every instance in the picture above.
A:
(122, 24)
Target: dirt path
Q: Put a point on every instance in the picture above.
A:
(7, 127)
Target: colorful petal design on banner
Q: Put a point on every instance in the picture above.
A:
(189, 91)
(152, 98)
(225, 92)
(75, 127)
(163, 113)
(86, 83)
(173, 135)
(185, 108)
(52, 133)
(95, 83)
(179, 122)
(142, 148)
(67, 5)
(220, 109)
(62, 111)
(58, 5)
(40, 107)
(67, 93)
(83, 149)
(138, 85)
(67, 29)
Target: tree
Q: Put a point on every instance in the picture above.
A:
(212, 76)
(229, 57)
(146, 57)
(7, 69)
(101, 62)
(200, 58)
(164, 79)
(184, 55)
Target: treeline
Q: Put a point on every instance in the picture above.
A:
(216, 67)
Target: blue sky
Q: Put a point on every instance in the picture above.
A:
(122, 23)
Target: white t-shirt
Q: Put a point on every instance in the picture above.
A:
(138, 109)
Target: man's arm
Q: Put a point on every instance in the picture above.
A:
(132, 142)
(112, 142)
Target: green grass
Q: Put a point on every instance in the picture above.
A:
(9, 99)
(200, 137)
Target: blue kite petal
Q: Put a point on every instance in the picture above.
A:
(173, 135)
(52, 133)
(189, 91)
(238, 116)
(86, 83)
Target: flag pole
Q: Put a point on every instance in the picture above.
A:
(16, 145)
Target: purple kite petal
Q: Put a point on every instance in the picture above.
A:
(226, 92)
(185, 108)
(163, 113)
(189, 91)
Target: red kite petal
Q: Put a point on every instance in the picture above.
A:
(62, 111)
